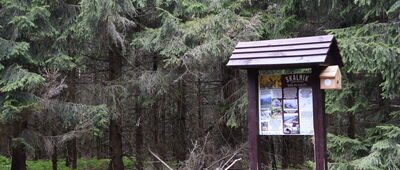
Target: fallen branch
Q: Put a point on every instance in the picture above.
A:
(233, 163)
(160, 160)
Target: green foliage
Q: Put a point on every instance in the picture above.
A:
(382, 145)
(376, 8)
(99, 21)
(344, 149)
(84, 118)
(279, 22)
(194, 41)
(83, 164)
(61, 62)
(14, 51)
(5, 163)
(385, 151)
(374, 49)
(16, 78)
(394, 9)
(27, 19)
(236, 110)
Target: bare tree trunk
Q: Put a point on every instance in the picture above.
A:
(74, 154)
(273, 159)
(139, 147)
(350, 116)
(285, 154)
(155, 113)
(115, 65)
(116, 145)
(18, 148)
(156, 145)
(199, 109)
(98, 147)
(351, 128)
(54, 157)
(67, 157)
(181, 128)
(139, 139)
(163, 132)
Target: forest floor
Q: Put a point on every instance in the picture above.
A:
(83, 164)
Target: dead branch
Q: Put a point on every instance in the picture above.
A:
(232, 163)
(160, 159)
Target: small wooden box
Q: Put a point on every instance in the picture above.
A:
(331, 78)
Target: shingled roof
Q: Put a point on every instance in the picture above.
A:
(287, 53)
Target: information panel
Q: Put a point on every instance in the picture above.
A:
(285, 104)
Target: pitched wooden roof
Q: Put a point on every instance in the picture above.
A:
(287, 53)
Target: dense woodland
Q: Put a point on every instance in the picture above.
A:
(134, 82)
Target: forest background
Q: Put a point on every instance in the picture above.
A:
(114, 84)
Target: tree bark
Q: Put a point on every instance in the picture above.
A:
(18, 148)
(181, 129)
(163, 131)
(351, 128)
(273, 159)
(74, 154)
(139, 146)
(285, 154)
(54, 157)
(139, 139)
(199, 109)
(155, 127)
(67, 158)
(116, 153)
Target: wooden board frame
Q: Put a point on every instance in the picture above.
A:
(320, 149)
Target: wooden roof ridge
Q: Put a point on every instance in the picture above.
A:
(291, 52)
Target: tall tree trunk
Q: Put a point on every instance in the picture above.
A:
(351, 128)
(181, 128)
(285, 152)
(67, 157)
(163, 136)
(199, 109)
(350, 115)
(71, 159)
(156, 145)
(98, 147)
(115, 65)
(54, 157)
(139, 147)
(273, 155)
(139, 139)
(18, 148)
(155, 113)
(72, 154)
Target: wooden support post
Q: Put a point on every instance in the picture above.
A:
(320, 153)
(252, 116)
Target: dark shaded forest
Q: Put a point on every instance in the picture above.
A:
(143, 84)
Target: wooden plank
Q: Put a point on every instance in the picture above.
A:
(282, 48)
(282, 54)
(290, 41)
(320, 151)
(252, 116)
(277, 61)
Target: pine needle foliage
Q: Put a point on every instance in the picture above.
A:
(385, 151)
(374, 49)
(196, 49)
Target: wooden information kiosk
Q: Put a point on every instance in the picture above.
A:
(291, 104)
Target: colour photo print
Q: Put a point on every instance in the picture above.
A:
(284, 107)
(291, 123)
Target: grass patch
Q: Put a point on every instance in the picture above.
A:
(83, 164)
